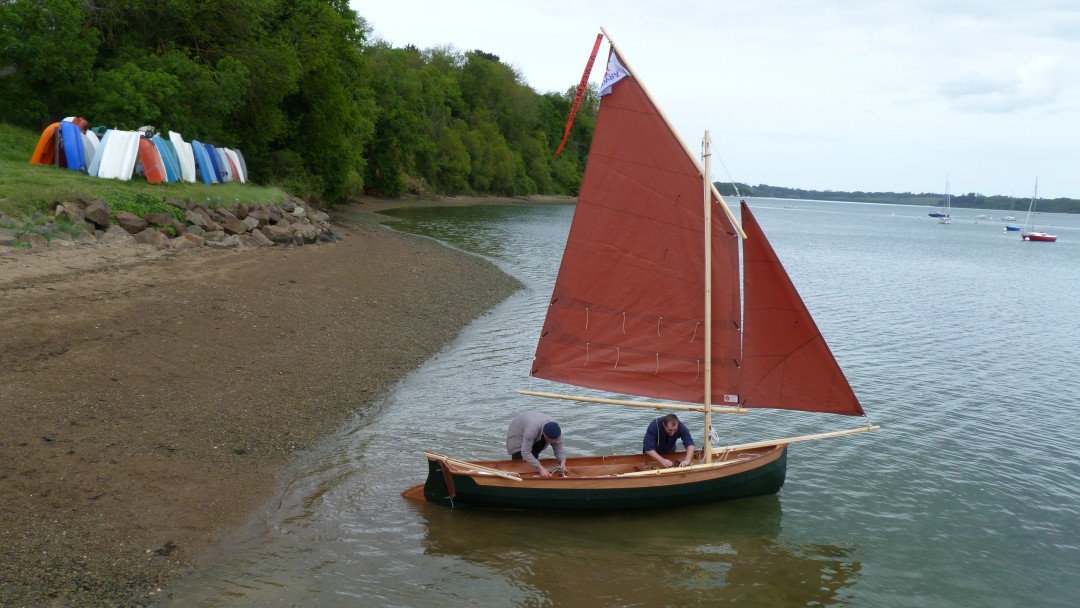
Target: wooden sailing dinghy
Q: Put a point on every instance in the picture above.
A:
(649, 302)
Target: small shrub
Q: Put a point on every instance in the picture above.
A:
(30, 225)
(140, 204)
(48, 233)
(70, 226)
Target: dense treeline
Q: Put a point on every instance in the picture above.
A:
(968, 201)
(1012, 203)
(299, 87)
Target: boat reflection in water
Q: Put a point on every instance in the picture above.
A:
(690, 556)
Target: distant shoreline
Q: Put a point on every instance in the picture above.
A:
(377, 204)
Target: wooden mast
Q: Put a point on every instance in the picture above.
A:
(706, 153)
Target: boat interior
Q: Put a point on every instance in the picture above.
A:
(599, 466)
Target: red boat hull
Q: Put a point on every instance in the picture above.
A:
(1038, 236)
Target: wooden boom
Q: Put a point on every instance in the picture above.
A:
(649, 404)
(762, 444)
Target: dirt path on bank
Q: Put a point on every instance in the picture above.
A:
(148, 399)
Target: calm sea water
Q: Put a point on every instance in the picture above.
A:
(961, 341)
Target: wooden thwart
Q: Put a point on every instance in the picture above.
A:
(649, 404)
(692, 467)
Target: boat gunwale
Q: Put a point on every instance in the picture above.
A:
(636, 477)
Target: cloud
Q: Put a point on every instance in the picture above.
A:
(840, 94)
(1038, 83)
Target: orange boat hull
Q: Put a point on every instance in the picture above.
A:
(152, 165)
(45, 151)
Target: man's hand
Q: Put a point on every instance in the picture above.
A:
(543, 472)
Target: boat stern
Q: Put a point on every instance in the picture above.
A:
(439, 487)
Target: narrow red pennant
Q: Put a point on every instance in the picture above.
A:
(580, 92)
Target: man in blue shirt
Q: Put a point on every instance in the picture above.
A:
(660, 439)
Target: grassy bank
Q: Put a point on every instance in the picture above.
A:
(26, 190)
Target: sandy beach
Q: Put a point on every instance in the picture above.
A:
(149, 399)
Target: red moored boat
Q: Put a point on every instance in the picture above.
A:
(1038, 236)
(1031, 234)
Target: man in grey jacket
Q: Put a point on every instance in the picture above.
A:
(529, 433)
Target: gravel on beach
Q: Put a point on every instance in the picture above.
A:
(148, 399)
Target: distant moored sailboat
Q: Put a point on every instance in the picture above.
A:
(1030, 233)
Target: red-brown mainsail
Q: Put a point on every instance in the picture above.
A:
(646, 301)
(627, 310)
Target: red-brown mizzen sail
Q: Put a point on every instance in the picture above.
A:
(627, 310)
(786, 363)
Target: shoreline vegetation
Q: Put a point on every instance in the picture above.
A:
(151, 397)
(971, 200)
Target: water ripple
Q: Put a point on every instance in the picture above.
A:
(959, 340)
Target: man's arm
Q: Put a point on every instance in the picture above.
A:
(560, 455)
(688, 444)
(648, 444)
(689, 456)
(664, 462)
(528, 438)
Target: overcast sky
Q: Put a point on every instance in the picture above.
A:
(822, 94)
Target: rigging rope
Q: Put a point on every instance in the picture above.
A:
(726, 172)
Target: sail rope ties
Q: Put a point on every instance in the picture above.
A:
(732, 440)
(624, 323)
(618, 353)
(586, 355)
(658, 326)
(586, 317)
(694, 337)
(714, 437)
(698, 374)
(610, 465)
(657, 372)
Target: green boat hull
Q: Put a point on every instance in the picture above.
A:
(760, 481)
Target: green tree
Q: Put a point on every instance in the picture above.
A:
(453, 164)
(330, 128)
(297, 86)
(47, 54)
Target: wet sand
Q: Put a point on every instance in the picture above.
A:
(148, 400)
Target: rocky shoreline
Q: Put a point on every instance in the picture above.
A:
(89, 222)
(150, 395)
